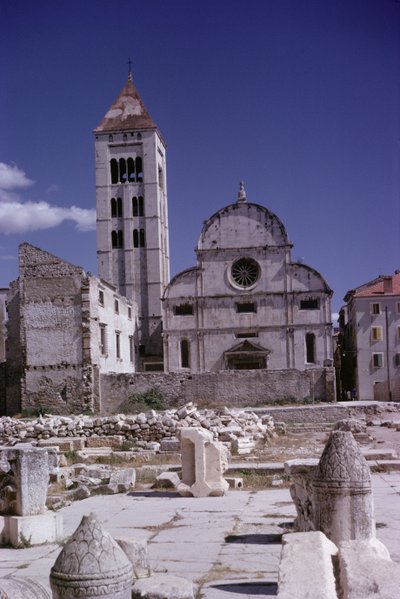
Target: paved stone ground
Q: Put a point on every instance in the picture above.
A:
(229, 546)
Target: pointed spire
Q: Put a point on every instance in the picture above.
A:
(129, 69)
(242, 193)
(128, 111)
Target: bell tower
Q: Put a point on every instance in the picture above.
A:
(132, 210)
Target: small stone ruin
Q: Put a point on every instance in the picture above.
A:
(203, 463)
(24, 478)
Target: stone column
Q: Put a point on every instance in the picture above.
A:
(342, 497)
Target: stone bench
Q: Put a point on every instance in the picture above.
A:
(306, 568)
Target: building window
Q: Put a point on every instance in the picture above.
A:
(185, 354)
(124, 137)
(135, 210)
(116, 207)
(129, 313)
(141, 206)
(110, 138)
(377, 360)
(118, 344)
(131, 349)
(375, 309)
(311, 303)
(103, 339)
(310, 348)
(135, 238)
(116, 306)
(245, 272)
(183, 310)
(131, 170)
(246, 335)
(139, 169)
(160, 177)
(114, 171)
(398, 307)
(142, 241)
(243, 308)
(101, 297)
(376, 333)
(117, 239)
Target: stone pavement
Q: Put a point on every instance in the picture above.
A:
(229, 546)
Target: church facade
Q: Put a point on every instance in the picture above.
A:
(246, 305)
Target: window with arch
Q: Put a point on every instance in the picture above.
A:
(139, 239)
(122, 170)
(117, 239)
(160, 177)
(116, 207)
(124, 137)
(114, 171)
(185, 353)
(141, 206)
(135, 206)
(131, 170)
(139, 169)
(310, 348)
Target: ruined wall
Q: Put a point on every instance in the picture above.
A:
(231, 388)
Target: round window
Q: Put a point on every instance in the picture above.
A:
(245, 272)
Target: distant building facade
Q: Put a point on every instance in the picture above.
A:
(370, 340)
(65, 328)
(246, 305)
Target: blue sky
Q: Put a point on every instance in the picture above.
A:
(299, 98)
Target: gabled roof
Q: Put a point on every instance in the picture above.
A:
(248, 348)
(127, 112)
(382, 285)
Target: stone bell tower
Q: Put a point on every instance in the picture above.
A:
(132, 210)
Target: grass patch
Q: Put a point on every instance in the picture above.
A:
(152, 399)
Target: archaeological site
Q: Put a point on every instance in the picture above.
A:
(187, 438)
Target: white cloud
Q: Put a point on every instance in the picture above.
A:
(53, 188)
(8, 257)
(335, 317)
(18, 216)
(12, 177)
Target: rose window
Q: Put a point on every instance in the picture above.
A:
(245, 272)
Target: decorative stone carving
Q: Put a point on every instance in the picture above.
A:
(22, 588)
(342, 496)
(301, 474)
(24, 479)
(203, 463)
(91, 565)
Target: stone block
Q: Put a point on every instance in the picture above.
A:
(203, 463)
(163, 586)
(105, 441)
(366, 570)
(234, 482)
(306, 568)
(63, 444)
(170, 445)
(24, 531)
(136, 551)
(168, 480)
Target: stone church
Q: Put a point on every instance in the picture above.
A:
(245, 306)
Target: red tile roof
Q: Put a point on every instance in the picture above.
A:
(382, 285)
(127, 112)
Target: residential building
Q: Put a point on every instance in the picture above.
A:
(370, 340)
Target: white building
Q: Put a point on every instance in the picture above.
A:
(370, 339)
(246, 305)
(132, 213)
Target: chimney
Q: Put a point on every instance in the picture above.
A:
(387, 284)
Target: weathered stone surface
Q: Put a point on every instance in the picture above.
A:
(168, 480)
(351, 424)
(22, 531)
(366, 570)
(342, 496)
(22, 588)
(163, 586)
(91, 565)
(24, 478)
(203, 463)
(136, 552)
(305, 569)
(301, 473)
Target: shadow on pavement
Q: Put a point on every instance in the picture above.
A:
(268, 539)
(249, 588)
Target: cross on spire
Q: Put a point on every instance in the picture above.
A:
(129, 69)
(242, 193)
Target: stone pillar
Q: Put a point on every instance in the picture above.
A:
(342, 495)
(91, 565)
(24, 479)
(203, 463)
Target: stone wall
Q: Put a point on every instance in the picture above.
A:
(231, 388)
